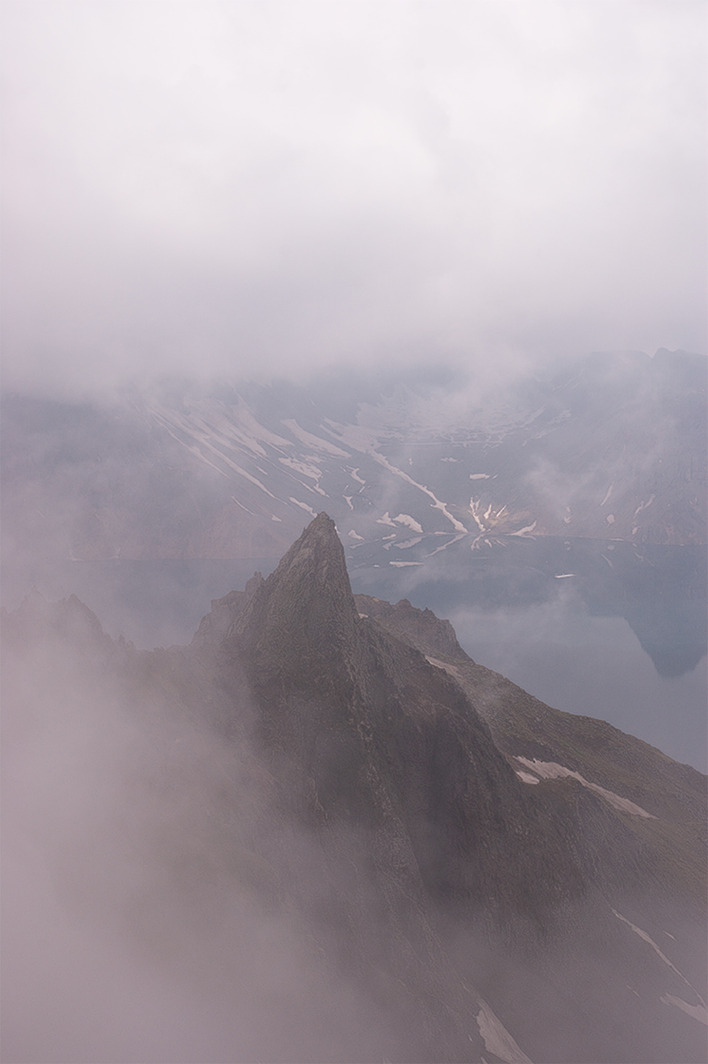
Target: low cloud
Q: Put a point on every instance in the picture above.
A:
(257, 188)
(142, 917)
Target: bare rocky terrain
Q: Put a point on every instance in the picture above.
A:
(328, 834)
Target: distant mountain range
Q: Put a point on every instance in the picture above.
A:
(487, 878)
(610, 447)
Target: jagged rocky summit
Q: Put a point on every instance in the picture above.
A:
(495, 879)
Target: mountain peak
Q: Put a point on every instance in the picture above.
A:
(299, 619)
(315, 564)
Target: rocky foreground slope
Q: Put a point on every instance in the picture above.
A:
(321, 832)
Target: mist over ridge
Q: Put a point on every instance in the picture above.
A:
(584, 487)
(322, 832)
(354, 532)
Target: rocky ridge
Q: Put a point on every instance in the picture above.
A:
(491, 874)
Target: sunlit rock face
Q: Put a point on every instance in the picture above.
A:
(322, 832)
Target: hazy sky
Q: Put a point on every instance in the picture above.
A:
(245, 187)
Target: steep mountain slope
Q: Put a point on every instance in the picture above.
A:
(542, 743)
(445, 869)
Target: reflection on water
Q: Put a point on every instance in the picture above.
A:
(604, 629)
(660, 591)
(591, 665)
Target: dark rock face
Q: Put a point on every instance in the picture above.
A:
(497, 879)
(302, 619)
(421, 628)
(369, 731)
(215, 626)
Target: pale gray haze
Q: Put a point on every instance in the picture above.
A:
(252, 247)
(267, 187)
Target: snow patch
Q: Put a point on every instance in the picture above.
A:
(358, 437)
(479, 476)
(209, 420)
(400, 565)
(407, 544)
(410, 522)
(526, 777)
(496, 1037)
(355, 535)
(445, 666)
(313, 441)
(474, 506)
(699, 1012)
(306, 468)
(643, 505)
(607, 494)
(386, 520)
(303, 506)
(203, 441)
(550, 770)
(610, 519)
(650, 941)
(239, 503)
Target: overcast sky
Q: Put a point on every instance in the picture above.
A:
(255, 187)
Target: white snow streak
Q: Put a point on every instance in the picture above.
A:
(303, 506)
(474, 506)
(386, 520)
(552, 770)
(239, 503)
(650, 941)
(315, 442)
(204, 441)
(410, 522)
(356, 436)
(455, 539)
(306, 468)
(407, 544)
(643, 505)
(496, 1037)
(256, 431)
(699, 1012)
